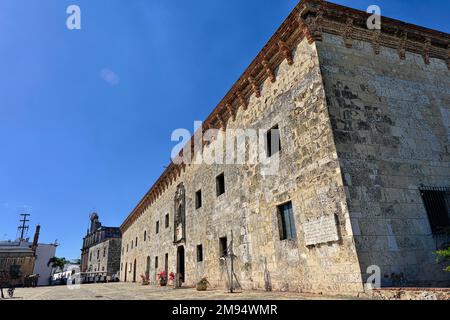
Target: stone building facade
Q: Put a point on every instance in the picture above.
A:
(363, 166)
(18, 259)
(101, 249)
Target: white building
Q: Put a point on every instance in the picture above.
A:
(69, 270)
(44, 253)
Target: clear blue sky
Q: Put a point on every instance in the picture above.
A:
(86, 116)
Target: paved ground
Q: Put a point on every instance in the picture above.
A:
(129, 291)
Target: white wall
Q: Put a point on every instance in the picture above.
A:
(44, 252)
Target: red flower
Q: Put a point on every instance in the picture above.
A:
(162, 275)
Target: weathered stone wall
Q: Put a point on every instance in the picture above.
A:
(391, 121)
(309, 176)
(25, 261)
(113, 253)
(105, 256)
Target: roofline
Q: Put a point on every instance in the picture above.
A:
(309, 19)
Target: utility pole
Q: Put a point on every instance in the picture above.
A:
(23, 228)
(233, 276)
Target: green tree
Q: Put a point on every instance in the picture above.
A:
(444, 256)
(57, 263)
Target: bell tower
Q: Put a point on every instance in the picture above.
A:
(95, 223)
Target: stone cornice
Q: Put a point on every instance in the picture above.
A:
(309, 19)
(404, 37)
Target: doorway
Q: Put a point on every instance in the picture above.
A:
(166, 265)
(134, 271)
(147, 269)
(180, 263)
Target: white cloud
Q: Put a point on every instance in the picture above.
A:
(110, 77)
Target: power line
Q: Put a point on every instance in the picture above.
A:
(23, 229)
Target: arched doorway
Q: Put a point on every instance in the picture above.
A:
(126, 272)
(134, 271)
(147, 269)
(180, 263)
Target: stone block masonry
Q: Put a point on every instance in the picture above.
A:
(361, 131)
(390, 121)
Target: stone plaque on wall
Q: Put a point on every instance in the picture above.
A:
(321, 230)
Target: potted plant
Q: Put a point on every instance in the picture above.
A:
(171, 277)
(145, 280)
(162, 279)
(202, 285)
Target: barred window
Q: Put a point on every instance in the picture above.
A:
(286, 222)
(437, 205)
(273, 141)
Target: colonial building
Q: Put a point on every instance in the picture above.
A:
(363, 161)
(100, 255)
(18, 259)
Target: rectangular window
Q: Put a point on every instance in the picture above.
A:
(167, 221)
(273, 141)
(157, 227)
(104, 252)
(166, 263)
(98, 254)
(136, 241)
(286, 222)
(198, 199)
(437, 205)
(223, 247)
(156, 263)
(220, 184)
(199, 253)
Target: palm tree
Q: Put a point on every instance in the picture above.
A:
(57, 263)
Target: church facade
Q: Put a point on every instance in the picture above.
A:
(100, 254)
(362, 177)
